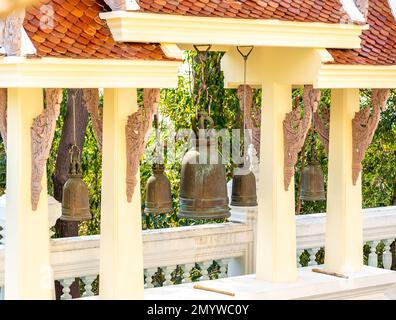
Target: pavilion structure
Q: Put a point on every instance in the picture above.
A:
(122, 45)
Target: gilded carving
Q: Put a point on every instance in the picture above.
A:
(295, 129)
(136, 129)
(3, 115)
(91, 100)
(42, 134)
(322, 126)
(364, 125)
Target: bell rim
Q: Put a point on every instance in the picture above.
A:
(206, 216)
(82, 218)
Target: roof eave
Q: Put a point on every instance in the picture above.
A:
(166, 28)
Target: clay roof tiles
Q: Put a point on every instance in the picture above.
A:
(327, 11)
(378, 42)
(73, 29)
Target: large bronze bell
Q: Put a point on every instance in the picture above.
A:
(158, 192)
(75, 200)
(203, 188)
(312, 188)
(244, 192)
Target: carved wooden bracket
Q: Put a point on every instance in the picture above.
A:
(364, 125)
(3, 116)
(322, 126)
(42, 134)
(254, 118)
(136, 129)
(91, 100)
(10, 33)
(295, 129)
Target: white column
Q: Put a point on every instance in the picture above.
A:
(121, 243)
(28, 273)
(276, 229)
(344, 230)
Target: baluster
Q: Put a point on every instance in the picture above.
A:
(168, 275)
(88, 281)
(387, 255)
(149, 277)
(66, 283)
(373, 257)
(298, 257)
(204, 270)
(186, 272)
(1, 293)
(223, 263)
(312, 256)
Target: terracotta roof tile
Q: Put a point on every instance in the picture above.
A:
(78, 32)
(378, 42)
(328, 11)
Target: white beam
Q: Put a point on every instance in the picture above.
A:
(355, 76)
(28, 273)
(20, 72)
(148, 27)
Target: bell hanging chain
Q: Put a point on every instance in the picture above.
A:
(245, 57)
(203, 88)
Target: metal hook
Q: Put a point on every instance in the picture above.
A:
(245, 56)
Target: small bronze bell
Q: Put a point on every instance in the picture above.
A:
(244, 192)
(312, 188)
(203, 189)
(75, 200)
(158, 192)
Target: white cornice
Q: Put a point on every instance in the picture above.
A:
(356, 76)
(164, 28)
(23, 72)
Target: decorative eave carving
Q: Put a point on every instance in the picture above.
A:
(42, 134)
(254, 115)
(91, 100)
(117, 5)
(295, 129)
(3, 116)
(364, 125)
(136, 129)
(11, 33)
(322, 126)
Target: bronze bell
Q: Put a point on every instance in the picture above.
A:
(203, 188)
(312, 188)
(244, 192)
(158, 192)
(75, 200)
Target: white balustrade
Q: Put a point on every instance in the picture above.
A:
(223, 264)
(224, 243)
(387, 255)
(168, 275)
(66, 283)
(312, 256)
(298, 257)
(204, 270)
(88, 281)
(186, 272)
(150, 273)
(373, 257)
